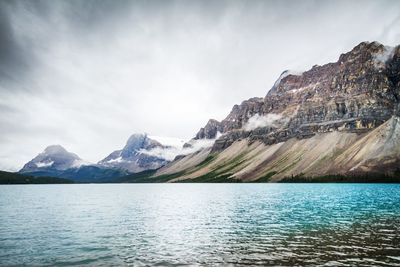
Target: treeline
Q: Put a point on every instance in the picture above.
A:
(355, 178)
(16, 178)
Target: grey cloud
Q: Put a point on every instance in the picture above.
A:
(82, 72)
(13, 58)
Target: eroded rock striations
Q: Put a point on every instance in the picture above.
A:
(339, 118)
(355, 94)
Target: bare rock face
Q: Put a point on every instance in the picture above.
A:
(340, 118)
(209, 131)
(241, 113)
(355, 94)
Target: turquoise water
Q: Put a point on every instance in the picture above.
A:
(200, 224)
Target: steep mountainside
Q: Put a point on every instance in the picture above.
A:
(339, 118)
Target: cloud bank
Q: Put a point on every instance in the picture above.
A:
(169, 153)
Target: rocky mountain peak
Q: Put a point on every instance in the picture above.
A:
(364, 54)
(337, 118)
(55, 149)
(209, 131)
(137, 142)
(54, 157)
(136, 155)
(136, 138)
(357, 93)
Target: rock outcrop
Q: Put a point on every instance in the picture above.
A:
(210, 131)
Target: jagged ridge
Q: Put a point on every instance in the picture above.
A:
(344, 100)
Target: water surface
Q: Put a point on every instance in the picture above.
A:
(200, 224)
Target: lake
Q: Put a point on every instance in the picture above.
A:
(200, 224)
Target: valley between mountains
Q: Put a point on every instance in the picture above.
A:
(333, 123)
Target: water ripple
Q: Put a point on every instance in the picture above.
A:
(200, 224)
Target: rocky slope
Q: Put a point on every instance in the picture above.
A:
(339, 118)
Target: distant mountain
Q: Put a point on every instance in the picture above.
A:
(139, 154)
(342, 118)
(56, 161)
(53, 158)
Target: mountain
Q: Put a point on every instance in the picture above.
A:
(139, 154)
(55, 158)
(341, 118)
(56, 161)
(336, 122)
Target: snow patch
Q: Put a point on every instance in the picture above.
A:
(44, 164)
(119, 159)
(297, 90)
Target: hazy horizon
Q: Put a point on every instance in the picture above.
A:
(88, 74)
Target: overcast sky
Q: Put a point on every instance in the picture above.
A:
(87, 74)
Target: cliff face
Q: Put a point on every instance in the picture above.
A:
(339, 118)
(357, 93)
(210, 131)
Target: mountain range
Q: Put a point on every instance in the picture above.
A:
(135, 156)
(336, 120)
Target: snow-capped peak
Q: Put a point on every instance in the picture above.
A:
(53, 157)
